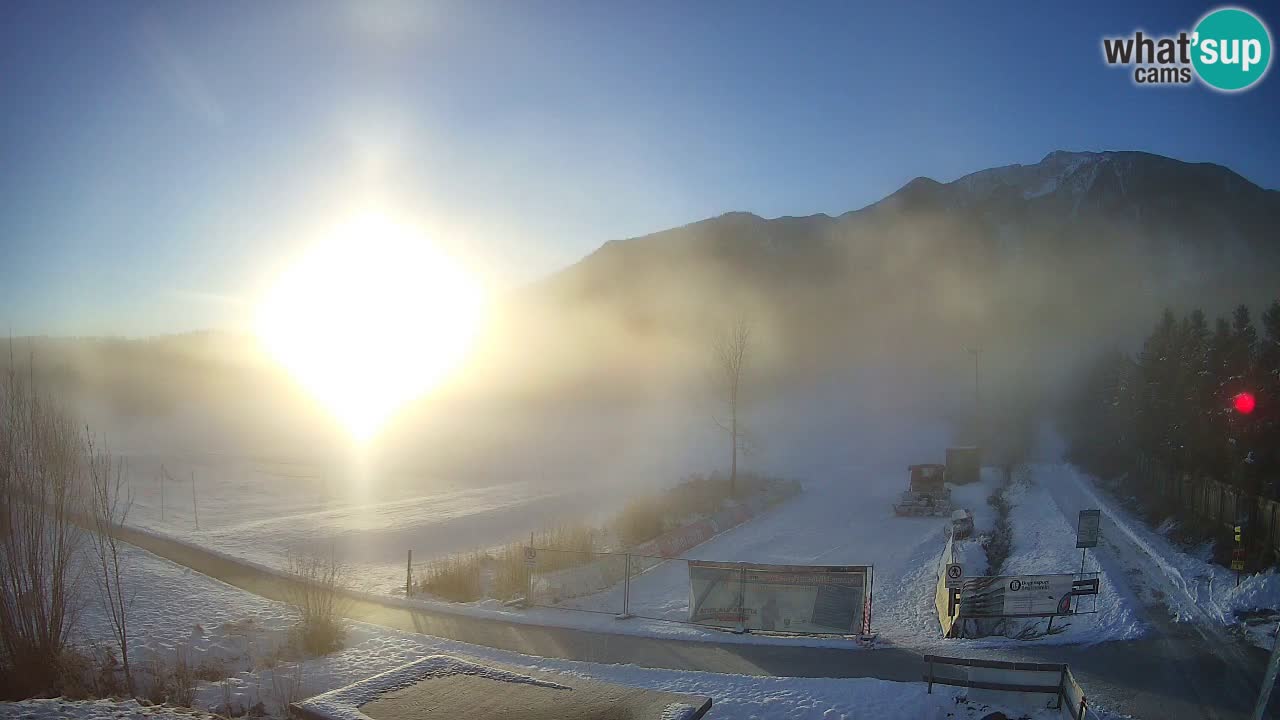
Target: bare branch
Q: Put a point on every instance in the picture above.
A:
(110, 500)
(730, 355)
(40, 483)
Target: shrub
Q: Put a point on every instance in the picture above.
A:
(640, 520)
(455, 578)
(510, 574)
(41, 483)
(317, 588)
(174, 684)
(999, 543)
(286, 685)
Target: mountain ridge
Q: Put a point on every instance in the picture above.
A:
(1088, 244)
(933, 184)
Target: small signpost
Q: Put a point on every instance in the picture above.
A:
(1238, 553)
(1088, 527)
(955, 575)
(531, 557)
(1237, 561)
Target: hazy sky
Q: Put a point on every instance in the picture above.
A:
(160, 161)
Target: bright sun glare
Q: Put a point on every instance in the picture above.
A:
(370, 318)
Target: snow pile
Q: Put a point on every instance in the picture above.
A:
(344, 703)
(1256, 592)
(63, 709)
(679, 711)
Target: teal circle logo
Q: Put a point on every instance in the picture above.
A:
(1232, 49)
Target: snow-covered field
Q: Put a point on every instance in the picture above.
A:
(843, 520)
(261, 509)
(843, 517)
(178, 610)
(850, 521)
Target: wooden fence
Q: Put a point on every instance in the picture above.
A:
(1052, 682)
(1216, 503)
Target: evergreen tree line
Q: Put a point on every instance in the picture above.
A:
(1173, 403)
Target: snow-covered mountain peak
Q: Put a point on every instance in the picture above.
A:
(1073, 172)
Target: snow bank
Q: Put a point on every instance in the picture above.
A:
(1044, 542)
(1186, 581)
(344, 703)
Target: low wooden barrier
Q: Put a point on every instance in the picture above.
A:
(1053, 680)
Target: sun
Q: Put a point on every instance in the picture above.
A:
(370, 318)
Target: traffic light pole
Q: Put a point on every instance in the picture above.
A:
(1237, 557)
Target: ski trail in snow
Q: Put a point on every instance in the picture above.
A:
(1187, 596)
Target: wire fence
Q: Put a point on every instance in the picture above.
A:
(822, 600)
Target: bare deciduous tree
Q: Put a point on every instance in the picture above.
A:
(40, 483)
(731, 354)
(110, 500)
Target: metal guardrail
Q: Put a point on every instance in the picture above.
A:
(1069, 695)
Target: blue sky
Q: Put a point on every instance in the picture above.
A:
(162, 160)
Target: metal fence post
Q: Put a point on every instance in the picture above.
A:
(408, 575)
(742, 598)
(626, 590)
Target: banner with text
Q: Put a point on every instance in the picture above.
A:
(780, 598)
(1017, 596)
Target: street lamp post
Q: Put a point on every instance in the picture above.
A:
(976, 352)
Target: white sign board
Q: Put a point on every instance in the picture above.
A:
(1088, 528)
(1016, 596)
(531, 556)
(779, 598)
(955, 575)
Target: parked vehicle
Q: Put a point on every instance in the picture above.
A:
(927, 494)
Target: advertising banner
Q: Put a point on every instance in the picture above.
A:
(1017, 596)
(780, 598)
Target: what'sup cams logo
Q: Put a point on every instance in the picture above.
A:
(1229, 50)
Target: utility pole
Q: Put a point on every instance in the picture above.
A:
(195, 506)
(976, 352)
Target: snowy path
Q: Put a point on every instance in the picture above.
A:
(1202, 671)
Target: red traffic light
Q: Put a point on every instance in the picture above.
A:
(1243, 403)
